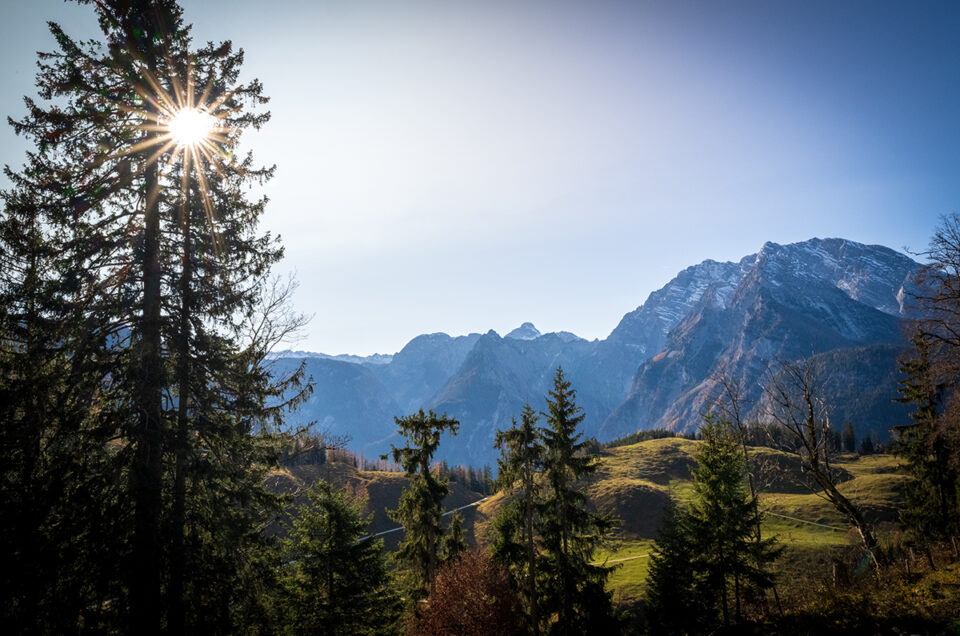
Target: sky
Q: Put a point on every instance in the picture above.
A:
(468, 165)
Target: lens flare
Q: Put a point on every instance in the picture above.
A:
(190, 126)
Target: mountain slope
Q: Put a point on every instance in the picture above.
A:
(658, 367)
(418, 371)
(793, 302)
(348, 400)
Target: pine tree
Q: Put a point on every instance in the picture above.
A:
(521, 457)
(710, 551)
(849, 438)
(158, 261)
(573, 598)
(335, 579)
(933, 498)
(673, 604)
(453, 543)
(420, 506)
(935, 373)
(722, 520)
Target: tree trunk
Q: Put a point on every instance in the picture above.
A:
(845, 507)
(736, 593)
(723, 598)
(531, 557)
(176, 618)
(147, 473)
(148, 467)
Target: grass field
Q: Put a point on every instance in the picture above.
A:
(637, 481)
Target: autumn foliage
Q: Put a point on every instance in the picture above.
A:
(469, 596)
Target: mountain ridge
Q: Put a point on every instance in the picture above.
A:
(658, 367)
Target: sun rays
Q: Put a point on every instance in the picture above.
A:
(190, 126)
(184, 128)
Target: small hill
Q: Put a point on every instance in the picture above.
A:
(636, 482)
(380, 489)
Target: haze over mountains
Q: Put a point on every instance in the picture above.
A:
(841, 302)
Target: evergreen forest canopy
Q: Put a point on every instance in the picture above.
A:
(140, 418)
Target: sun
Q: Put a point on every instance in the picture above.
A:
(190, 126)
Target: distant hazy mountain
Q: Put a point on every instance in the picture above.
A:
(347, 400)
(422, 367)
(377, 358)
(526, 331)
(836, 300)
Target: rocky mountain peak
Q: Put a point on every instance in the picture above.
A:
(526, 331)
(869, 274)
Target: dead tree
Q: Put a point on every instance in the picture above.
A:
(797, 406)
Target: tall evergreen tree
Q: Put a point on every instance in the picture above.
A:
(674, 605)
(933, 498)
(157, 261)
(335, 580)
(453, 543)
(710, 554)
(514, 544)
(420, 506)
(849, 438)
(573, 597)
(937, 295)
(723, 517)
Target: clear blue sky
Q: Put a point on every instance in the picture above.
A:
(461, 166)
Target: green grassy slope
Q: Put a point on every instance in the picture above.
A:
(636, 482)
(665, 464)
(380, 490)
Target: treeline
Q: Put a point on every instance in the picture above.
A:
(643, 436)
(845, 440)
(317, 450)
(476, 479)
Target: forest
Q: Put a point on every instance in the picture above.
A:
(150, 484)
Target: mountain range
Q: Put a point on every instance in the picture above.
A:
(841, 304)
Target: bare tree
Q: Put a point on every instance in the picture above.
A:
(730, 404)
(796, 405)
(260, 331)
(937, 294)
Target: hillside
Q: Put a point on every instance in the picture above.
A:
(655, 470)
(380, 489)
(637, 481)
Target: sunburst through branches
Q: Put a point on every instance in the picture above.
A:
(190, 126)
